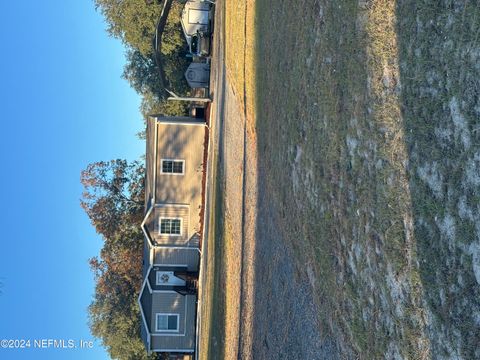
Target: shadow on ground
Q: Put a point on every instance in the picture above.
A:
(367, 184)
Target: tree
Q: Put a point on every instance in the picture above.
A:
(132, 21)
(141, 72)
(113, 193)
(114, 314)
(151, 105)
(113, 199)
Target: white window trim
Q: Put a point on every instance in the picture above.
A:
(167, 314)
(169, 218)
(172, 173)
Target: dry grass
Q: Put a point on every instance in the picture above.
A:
(384, 97)
(332, 134)
(220, 309)
(240, 46)
(221, 331)
(439, 56)
(271, 79)
(232, 293)
(366, 115)
(211, 322)
(235, 44)
(363, 104)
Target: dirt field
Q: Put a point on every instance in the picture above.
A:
(348, 221)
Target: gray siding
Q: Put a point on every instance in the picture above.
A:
(170, 256)
(146, 303)
(168, 303)
(143, 332)
(176, 342)
(145, 259)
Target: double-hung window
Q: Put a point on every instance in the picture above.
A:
(167, 322)
(170, 226)
(174, 167)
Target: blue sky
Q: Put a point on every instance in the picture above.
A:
(64, 105)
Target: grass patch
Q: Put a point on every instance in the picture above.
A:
(366, 116)
(220, 310)
(331, 133)
(240, 42)
(235, 44)
(213, 307)
(439, 57)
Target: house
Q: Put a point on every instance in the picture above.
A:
(172, 225)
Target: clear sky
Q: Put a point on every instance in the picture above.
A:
(63, 105)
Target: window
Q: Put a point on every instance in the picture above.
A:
(173, 166)
(167, 322)
(169, 226)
